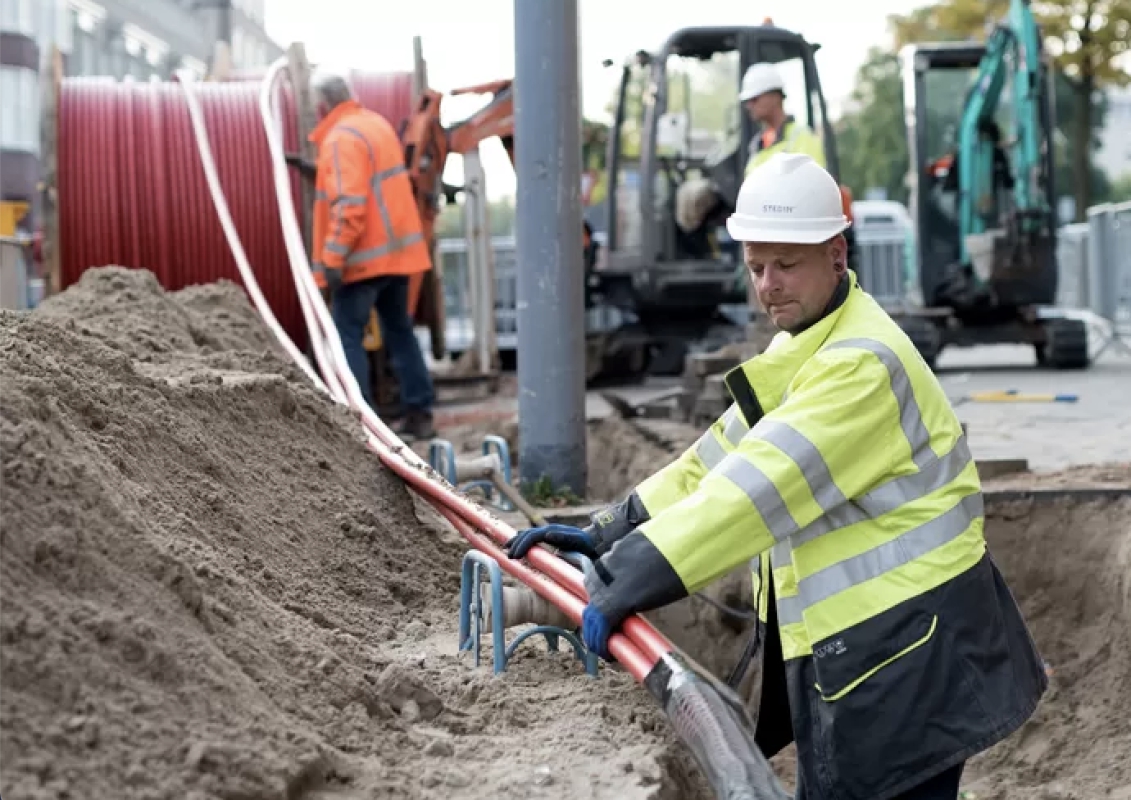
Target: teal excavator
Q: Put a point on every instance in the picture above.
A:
(982, 195)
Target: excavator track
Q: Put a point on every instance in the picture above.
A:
(1066, 345)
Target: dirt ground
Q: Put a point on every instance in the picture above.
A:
(1069, 564)
(619, 455)
(212, 590)
(1112, 475)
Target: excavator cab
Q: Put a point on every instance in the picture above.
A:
(678, 121)
(1017, 266)
(980, 125)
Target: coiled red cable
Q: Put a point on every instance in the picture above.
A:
(131, 191)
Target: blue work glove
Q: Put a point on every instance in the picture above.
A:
(564, 537)
(595, 631)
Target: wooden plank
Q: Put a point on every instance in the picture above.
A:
(989, 468)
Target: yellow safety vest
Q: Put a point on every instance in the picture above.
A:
(794, 138)
(855, 490)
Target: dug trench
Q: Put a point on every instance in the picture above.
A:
(211, 589)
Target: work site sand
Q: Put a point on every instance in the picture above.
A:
(211, 589)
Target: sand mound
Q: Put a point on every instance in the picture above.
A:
(212, 590)
(1069, 564)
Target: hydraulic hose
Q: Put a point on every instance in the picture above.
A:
(706, 714)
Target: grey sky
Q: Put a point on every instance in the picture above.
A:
(472, 41)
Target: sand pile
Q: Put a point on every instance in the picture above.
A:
(212, 590)
(1069, 564)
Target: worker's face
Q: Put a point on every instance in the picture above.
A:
(795, 282)
(763, 107)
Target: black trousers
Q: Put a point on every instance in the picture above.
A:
(774, 705)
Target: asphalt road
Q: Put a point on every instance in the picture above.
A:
(1096, 428)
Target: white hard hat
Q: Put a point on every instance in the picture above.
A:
(791, 199)
(759, 79)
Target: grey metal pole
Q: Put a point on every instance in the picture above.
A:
(551, 303)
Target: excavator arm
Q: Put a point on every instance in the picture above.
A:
(427, 145)
(1013, 54)
(494, 119)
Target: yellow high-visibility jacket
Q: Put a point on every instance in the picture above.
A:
(842, 471)
(794, 137)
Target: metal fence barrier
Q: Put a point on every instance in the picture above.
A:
(883, 270)
(19, 288)
(453, 260)
(1095, 274)
(884, 263)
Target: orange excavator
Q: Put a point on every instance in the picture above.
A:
(427, 145)
(670, 284)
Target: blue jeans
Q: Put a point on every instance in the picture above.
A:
(350, 311)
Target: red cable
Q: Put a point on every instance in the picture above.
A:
(651, 642)
(131, 190)
(621, 646)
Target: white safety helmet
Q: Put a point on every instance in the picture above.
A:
(760, 78)
(788, 199)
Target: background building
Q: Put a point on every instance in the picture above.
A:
(153, 37)
(108, 37)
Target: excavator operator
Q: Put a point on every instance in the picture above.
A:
(368, 239)
(893, 649)
(762, 94)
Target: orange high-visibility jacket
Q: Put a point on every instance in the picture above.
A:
(365, 218)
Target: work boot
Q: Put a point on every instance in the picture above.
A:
(416, 426)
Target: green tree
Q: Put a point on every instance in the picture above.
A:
(871, 138)
(1120, 190)
(1087, 39)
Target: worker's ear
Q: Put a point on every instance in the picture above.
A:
(838, 250)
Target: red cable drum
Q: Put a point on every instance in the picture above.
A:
(132, 190)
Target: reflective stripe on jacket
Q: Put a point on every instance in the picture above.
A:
(855, 488)
(365, 218)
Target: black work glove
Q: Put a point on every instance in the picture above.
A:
(333, 278)
(306, 168)
(564, 537)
